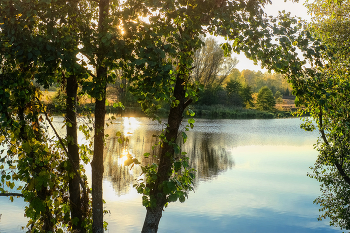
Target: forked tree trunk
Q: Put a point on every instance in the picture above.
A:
(164, 172)
(73, 150)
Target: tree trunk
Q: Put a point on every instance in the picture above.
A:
(97, 167)
(73, 150)
(100, 111)
(164, 172)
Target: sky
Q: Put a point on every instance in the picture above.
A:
(296, 9)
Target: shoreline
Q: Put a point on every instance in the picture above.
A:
(203, 112)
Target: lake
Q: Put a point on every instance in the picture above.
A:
(251, 177)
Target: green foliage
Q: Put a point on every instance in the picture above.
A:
(59, 101)
(265, 100)
(326, 97)
(278, 97)
(239, 95)
(233, 87)
(222, 112)
(211, 96)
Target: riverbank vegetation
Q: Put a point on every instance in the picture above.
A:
(223, 91)
(237, 97)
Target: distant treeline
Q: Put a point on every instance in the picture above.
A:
(219, 84)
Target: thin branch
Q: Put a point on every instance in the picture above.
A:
(11, 194)
(82, 183)
(337, 165)
(188, 102)
(323, 135)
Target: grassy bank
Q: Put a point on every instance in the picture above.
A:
(211, 112)
(55, 105)
(221, 112)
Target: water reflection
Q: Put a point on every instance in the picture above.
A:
(266, 190)
(207, 155)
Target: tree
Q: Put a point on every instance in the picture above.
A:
(248, 77)
(162, 72)
(326, 97)
(44, 63)
(210, 66)
(239, 95)
(265, 100)
(247, 96)
(278, 97)
(43, 40)
(233, 87)
(235, 74)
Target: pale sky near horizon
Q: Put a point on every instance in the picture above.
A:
(296, 9)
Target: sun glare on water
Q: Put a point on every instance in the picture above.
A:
(123, 157)
(130, 125)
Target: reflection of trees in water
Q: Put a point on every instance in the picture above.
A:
(115, 171)
(207, 155)
(123, 176)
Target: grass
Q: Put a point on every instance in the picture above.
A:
(222, 112)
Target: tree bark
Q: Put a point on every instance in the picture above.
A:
(100, 111)
(73, 150)
(164, 172)
(97, 167)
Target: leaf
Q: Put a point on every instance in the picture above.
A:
(172, 198)
(177, 166)
(184, 137)
(191, 121)
(177, 149)
(128, 162)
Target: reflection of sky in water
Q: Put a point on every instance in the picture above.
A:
(266, 189)
(11, 213)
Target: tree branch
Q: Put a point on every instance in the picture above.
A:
(337, 165)
(11, 194)
(323, 135)
(188, 102)
(82, 183)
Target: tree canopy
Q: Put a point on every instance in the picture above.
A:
(326, 96)
(265, 100)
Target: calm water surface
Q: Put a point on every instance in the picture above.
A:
(251, 177)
